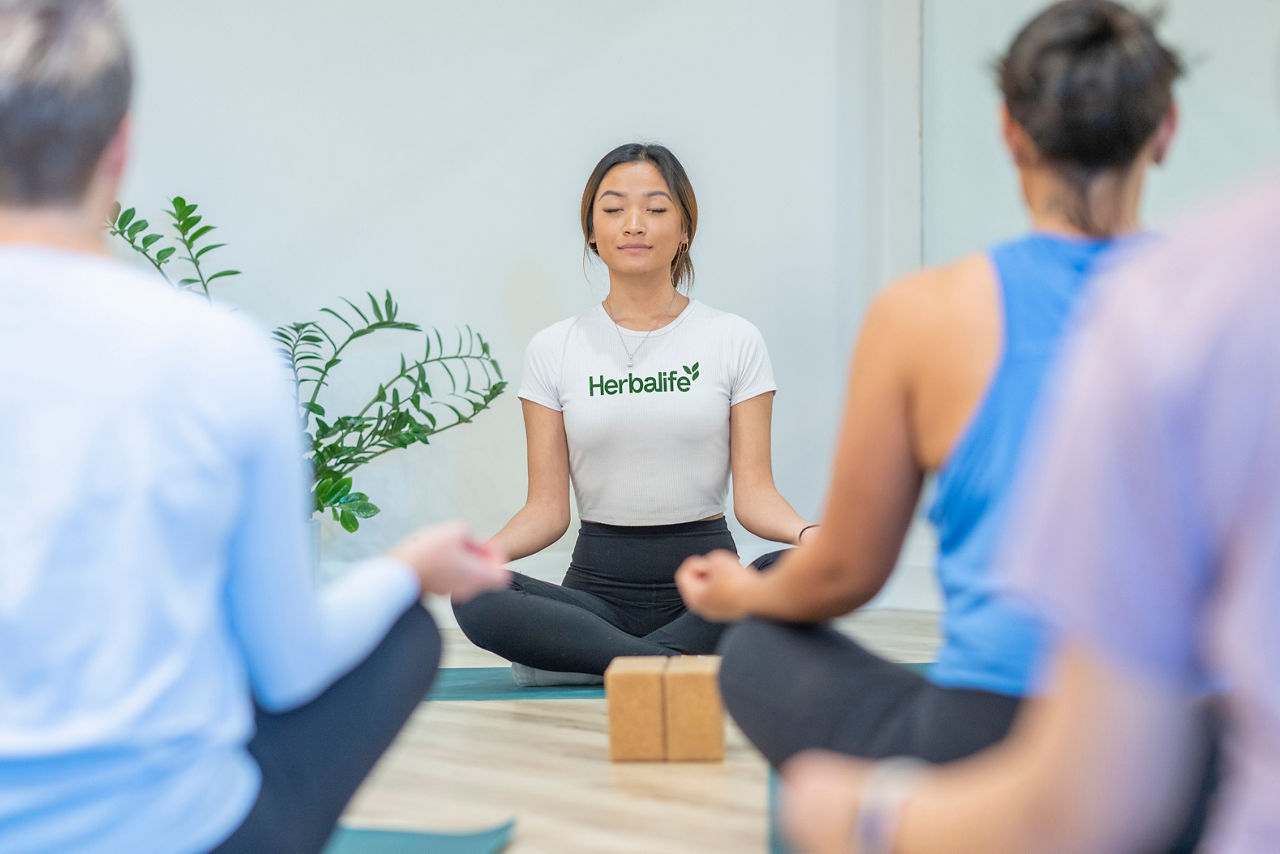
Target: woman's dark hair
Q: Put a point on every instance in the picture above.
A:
(1089, 82)
(677, 181)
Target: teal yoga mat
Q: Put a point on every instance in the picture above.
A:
(495, 683)
(352, 840)
(777, 845)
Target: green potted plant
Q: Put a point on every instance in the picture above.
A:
(410, 407)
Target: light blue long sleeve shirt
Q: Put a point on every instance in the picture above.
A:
(154, 568)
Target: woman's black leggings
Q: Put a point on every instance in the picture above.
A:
(791, 687)
(313, 758)
(618, 598)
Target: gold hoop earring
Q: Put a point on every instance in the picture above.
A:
(683, 248)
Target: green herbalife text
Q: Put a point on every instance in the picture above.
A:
(632, 384)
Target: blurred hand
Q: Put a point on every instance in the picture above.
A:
(820, 801)
(449, 563)
(712, 585)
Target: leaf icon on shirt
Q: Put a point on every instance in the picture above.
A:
(692, 371)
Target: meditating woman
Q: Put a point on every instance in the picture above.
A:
(946, 375)
(646, 402)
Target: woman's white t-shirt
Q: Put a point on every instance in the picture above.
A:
(648, 445)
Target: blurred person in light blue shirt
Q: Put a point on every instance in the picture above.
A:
(169, 681)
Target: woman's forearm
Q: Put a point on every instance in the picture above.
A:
(806, 586)
(530, 530)
(765, 513)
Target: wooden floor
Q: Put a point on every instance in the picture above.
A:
(467, 765)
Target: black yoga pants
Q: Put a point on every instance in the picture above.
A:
(313, 758)
(791, 687)
(618, 598)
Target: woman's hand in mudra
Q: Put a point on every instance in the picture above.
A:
(714, 586)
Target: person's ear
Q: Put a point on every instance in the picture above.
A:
(116, 154)
(1016, 139)
(1163, 137)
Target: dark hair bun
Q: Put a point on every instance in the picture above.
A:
(1089, 82)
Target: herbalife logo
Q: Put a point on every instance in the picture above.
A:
(632, 384)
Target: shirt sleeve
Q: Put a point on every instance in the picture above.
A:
(295, 641)
(540, 382)
(1109, 544)
(753, 372)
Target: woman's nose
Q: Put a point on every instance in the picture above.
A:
(635, 223)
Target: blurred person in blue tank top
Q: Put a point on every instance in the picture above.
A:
(947, 374)
(170, 681)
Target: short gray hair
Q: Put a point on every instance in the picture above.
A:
(65, 79)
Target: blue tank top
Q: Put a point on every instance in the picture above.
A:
(987, 644)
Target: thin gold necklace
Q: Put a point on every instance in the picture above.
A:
(631, 354)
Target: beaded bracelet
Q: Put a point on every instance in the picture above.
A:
(887, 788)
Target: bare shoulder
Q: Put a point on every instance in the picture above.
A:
(931, 301)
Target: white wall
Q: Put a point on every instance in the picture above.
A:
(1230, 113)
(439, 149)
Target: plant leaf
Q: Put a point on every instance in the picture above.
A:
(340, 317)
(356, 310)
(365, 509)
(209, 248)
(349, 521)
(324, 490)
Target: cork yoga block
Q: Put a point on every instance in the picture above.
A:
(665, 708)
(694, 714)
(634, 691)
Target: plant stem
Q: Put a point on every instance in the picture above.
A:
(191, 256)
(346, 471)
(413, 366)
(115, 232)
(319, 380)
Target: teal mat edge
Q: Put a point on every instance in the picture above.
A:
(496, 683)
(364, 840)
